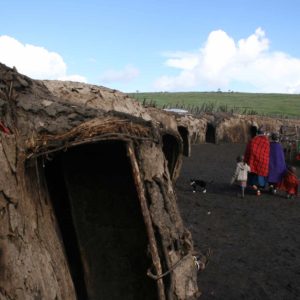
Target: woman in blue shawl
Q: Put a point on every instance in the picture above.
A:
(277, 165)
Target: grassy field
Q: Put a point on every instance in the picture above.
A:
(281, 105)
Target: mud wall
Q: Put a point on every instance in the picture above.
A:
(195, 126)
(175, 242)
(231, 128)
(32, 261)
(237, 129)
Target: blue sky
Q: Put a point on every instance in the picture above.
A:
(156, 45)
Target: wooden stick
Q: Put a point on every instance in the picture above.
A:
(147, 220)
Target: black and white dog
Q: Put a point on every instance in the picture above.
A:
(199, 184)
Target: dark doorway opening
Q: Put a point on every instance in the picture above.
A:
(185, 138)
(210, 136)
(171, 151)
(97, 208)
(253, 131)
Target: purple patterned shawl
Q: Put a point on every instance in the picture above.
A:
(277, 166)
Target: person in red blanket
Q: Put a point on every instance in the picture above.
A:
(257, 155)
(290, 183)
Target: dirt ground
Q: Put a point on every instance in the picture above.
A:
(254, 242)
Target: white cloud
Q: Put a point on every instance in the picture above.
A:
(125, 75)
(222, 62)
(182, 60)
(34, 61)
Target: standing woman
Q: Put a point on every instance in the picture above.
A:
(257, 156)
(277, 165)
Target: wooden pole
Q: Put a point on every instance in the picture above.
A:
(147, 220)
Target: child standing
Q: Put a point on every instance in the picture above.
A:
(290, 183)
(241, 174)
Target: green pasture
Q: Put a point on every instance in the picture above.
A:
(281, 105)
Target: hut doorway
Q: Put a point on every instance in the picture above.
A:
(96, 204)
(185, 138)
(253, 131)
(210, 136)
(171, 152)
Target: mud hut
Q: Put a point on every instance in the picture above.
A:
(235, 128)
(87, 205)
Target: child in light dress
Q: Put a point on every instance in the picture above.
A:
(240, 175)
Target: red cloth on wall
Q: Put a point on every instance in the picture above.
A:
(4, 128)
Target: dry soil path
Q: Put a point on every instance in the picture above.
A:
(255, 241)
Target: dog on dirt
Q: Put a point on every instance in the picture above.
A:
(199, 184)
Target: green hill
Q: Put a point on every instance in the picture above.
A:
(281, 105)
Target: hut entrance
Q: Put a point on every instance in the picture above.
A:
(253, 131)
(97, 207)
(210, 136)
(185, 138)
(171, 151)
